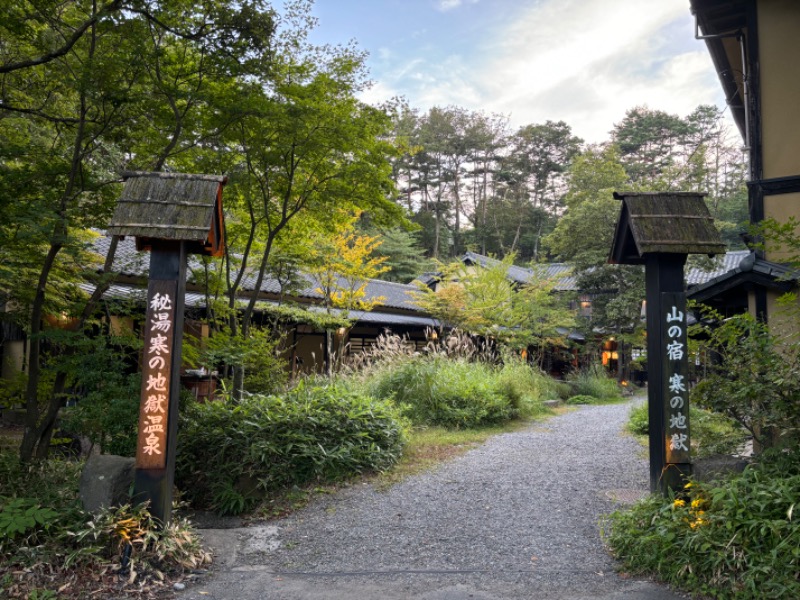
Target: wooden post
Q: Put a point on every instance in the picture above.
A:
(161, 360)
(659, 230)
(669, 464)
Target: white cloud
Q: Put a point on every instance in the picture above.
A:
(377, 93)
(445, 5)
(582, 61)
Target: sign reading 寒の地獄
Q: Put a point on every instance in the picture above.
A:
(156, 375)
(675, 370)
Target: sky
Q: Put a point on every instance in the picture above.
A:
(581, 61)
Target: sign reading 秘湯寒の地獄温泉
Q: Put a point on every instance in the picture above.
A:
(156, 375)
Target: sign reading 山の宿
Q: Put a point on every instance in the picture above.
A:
(676, 369)
(171, 215)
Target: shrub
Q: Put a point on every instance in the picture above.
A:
(563, 390)
(736, 539)
(711, 433)
(439, 391)
(757, 381)
(258, 355)
(231, 454)
(581, 399)
(525, 387)
(595, 383)
(108, 419)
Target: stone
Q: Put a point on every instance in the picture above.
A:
(714, 467)
(106, 481)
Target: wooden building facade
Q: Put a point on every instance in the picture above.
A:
(755, 47)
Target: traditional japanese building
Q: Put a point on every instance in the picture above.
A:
(755, 47)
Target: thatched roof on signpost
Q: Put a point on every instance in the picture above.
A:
(665, 223)
(171, 206)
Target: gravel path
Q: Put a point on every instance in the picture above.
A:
(517, 517)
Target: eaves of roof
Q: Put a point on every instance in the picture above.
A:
(131, 263)
(559, 271)
(749, 270)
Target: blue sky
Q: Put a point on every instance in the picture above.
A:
(581, 61)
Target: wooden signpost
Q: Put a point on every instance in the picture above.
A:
(659, 230)
(171, 215)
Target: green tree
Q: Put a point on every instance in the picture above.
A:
(583, 237)
(342, 266)
(595, 174)
(527, 189)
(403, 254)
(486, 302)
(308, 148)
(87, 90)
(653, 145)
(71, 102)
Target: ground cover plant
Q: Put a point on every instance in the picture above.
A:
(736, 538)
(51, 548)
(233, 454)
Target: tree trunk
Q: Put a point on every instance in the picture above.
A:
(33, 428)
(38, 432)
(329, 353)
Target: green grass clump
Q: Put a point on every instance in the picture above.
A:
(457, 393)
(595, 383)
(639, 420)
(525, 387)
(734, 539)
(581, 399)
(232, 454)
(441, 391)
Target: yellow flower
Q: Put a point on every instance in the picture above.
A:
(678, 502)
(697, 502)
(697, 523)
(688, 485)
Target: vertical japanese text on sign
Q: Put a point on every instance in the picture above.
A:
(676, 415)
(156, 375)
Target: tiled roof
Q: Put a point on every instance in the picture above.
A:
(197, 300)
(133, 263)
(720, 264)
(395, 295)
(742, 267)
(378, 317)
(566, 282)
(130, 262)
